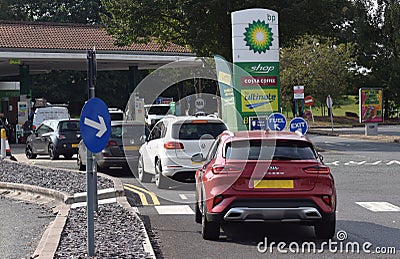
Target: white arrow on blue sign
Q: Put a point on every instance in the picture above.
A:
(95, 124)
(298, 123)
(276, 121)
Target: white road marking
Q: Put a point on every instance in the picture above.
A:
(393, 162)
(355, 163)
(183, 196)
(374, 163)
(103, 201)
(378, 206)
(333, 163)
(174, 210)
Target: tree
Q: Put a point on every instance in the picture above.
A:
(205, 27)
(71, 11)
(376, 34)
(320, 64)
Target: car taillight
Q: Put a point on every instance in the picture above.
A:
(111, 143)
(173, 145)
(199, 121)
(327, 199)
(60, 136)
(317, 170)
(219, 169)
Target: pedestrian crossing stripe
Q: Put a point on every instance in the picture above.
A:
(174, 210)
(379, 206)
(142, 194)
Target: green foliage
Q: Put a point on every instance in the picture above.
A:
(318, 63)
(205, 27)
(71, 11)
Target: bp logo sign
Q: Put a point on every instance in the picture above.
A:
(258, 36)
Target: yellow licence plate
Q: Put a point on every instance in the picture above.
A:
(197, 163)
(74, 145)
(130, 148)
(287, 184)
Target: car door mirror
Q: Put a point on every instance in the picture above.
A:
(197, 158)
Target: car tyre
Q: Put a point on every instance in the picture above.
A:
(29, 152)
(325, 229)
(209, 229)
(142, 175)
(197, 218)
(161, 181)
(81, 166)
(52, 153)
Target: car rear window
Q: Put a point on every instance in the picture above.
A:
(69, 126)
(268, 150)
(158, 110)
(116, 116)
(191, 131)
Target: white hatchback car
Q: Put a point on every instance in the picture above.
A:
(172, 142)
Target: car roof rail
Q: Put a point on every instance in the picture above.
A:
(197, 114)
(299, 133)
(169, 116)
(228, 132)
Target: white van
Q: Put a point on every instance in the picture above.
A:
(49, 113)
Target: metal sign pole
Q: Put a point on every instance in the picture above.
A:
(89, 168)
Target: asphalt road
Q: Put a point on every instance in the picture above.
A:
(22, 225)
(368, 212)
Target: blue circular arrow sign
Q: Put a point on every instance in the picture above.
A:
(276, 121)
(298, 123)
(95, 124)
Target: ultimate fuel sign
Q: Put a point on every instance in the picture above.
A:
(255, 45)
(371, 105)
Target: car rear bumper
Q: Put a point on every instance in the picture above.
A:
(178, 170)
(282, 214)
(271, 210)
(66, 150)
(112, 162)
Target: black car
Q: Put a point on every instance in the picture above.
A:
(122, 148)
(54, 138)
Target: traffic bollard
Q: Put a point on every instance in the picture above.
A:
(3, 143)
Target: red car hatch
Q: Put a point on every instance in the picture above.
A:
(273, 176)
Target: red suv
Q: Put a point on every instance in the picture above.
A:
(264, 176)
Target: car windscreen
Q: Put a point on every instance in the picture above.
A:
(69, 126)
(191, 131)
(269, 150)
(159, 110)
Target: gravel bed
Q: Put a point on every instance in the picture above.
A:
(118, 233)
(60, 180)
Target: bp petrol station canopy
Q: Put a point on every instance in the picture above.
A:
(60, 46)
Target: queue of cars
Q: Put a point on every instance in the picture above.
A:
(247, 176)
